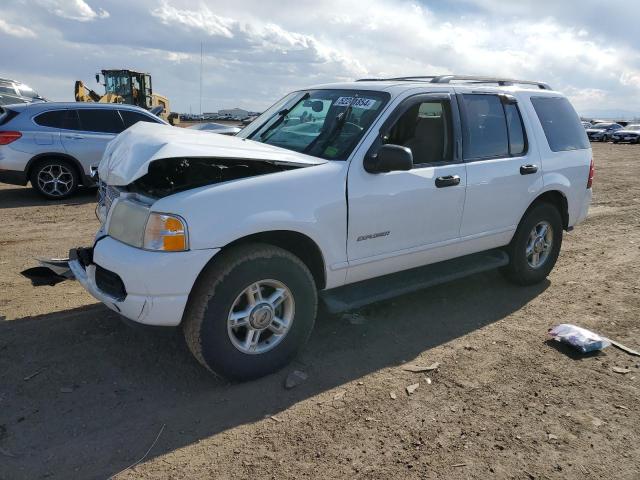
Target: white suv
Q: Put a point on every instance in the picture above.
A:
(351, 192)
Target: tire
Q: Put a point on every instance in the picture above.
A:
(54, 178)
(222, 290)
(520, 269)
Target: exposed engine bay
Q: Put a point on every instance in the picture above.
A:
(171, 175)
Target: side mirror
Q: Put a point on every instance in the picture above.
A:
(390, 158)
(97, 78)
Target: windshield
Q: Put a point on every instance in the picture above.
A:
(323, 123)
(118, 84)
(601, 126)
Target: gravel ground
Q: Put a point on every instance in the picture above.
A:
(84, 396)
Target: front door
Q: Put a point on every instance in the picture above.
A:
(398, 220)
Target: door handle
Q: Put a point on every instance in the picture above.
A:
(448, 181)
(528, 169)
(74, 137)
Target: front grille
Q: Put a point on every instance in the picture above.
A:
(106, 195)
(110, 283)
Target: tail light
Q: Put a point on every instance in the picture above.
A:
(7, 137)
(592, 172)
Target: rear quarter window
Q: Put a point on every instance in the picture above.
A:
(560, 123)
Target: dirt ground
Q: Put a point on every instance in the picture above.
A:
(84, 396)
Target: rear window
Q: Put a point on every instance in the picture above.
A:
(100, 120)
(66, 119)
(6, 115)
(131, 118)
(560, 123)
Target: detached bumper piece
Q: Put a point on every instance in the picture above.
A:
(50, 272)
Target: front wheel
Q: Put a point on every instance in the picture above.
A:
(535, 247)
(251, 311)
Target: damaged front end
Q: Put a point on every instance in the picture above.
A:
(172, 175)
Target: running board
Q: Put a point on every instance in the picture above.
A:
(363, 293)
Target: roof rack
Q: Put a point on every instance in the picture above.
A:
(503, 82)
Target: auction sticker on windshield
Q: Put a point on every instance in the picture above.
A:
(364, 103)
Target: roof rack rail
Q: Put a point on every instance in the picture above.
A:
(503, 82)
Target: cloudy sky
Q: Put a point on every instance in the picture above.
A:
(257, 50)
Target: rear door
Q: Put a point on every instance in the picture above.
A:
(97, 127)
(504, 174)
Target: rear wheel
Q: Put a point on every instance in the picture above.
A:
(250, 312)
(54, 178)
(535, 247)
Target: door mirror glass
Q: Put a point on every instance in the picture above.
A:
(390, 158)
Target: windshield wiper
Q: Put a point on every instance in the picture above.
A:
(283, 113)
(341, 119)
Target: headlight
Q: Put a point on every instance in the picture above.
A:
(127, 222)
(166, 233)
(131, 222)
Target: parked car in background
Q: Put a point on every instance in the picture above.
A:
(215, 128)
(237, 238)
(12, 92)
(586, 124)
(601, 132)
(54, 145)
(630, 133)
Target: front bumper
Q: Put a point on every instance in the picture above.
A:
(156, 284)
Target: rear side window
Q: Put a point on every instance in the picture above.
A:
(65, 119)
(100, 120)
(560, 123)
(486, 132)
(131, 118)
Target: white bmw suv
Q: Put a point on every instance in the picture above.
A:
(349, 193)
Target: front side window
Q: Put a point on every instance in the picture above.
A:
(560, 123)
(323, 123)
(100, 120)
(131, 118)
(426, 129)
(64, 119)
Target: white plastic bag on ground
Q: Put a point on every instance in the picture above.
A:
(579, 338)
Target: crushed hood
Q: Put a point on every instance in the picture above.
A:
(127, 157)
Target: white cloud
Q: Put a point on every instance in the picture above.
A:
(73, 10)
(255, 52)
(16, 30)
(203, 20)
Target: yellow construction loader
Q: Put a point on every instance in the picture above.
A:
(130, 87)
